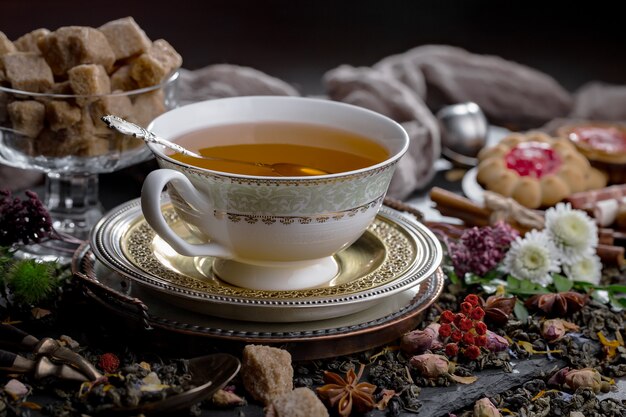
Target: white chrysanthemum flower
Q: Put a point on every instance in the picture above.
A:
(573, 232)
(588, 269)
(533, 258)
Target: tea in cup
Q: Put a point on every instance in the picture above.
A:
(265, 230)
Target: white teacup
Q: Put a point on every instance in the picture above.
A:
(270, 233)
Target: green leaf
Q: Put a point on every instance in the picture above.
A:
(513, 283)
(584, 286)
(616, 288)
(493, 274)
(562, 283)
(520, 311)
(531, 291)
(452, 276)
(621, 301)
(526, 285)
(471, 278)
(616, 305)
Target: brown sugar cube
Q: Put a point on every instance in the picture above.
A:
(63, 87)
(89, 80)
(93, 146)
(147, 106)
(51, 144)
(96, 147)
(61, 114)
(27, 71)
(95, 127)
(266, 372)
(118, 105)
(81, 139)
(65, 142)
(151, 67)
(121, 79)
(29, 42)
(301, 402)
(27, 117)
(125, 37)
(97, 138)
(70, 46)
(6, 46)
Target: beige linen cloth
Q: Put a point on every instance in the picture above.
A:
(410, 87)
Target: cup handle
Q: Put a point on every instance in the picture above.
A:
(151, 191)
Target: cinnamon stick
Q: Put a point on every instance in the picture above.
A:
(452, 201)
(606, 236)
(468, 218)
(611, 255)
(584, 198)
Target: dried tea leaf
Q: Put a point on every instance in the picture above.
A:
(463, 379)
(528, 347)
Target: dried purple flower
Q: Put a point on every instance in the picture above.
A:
(495, 342)
(480, 249)
(23, 221)
(503, 234)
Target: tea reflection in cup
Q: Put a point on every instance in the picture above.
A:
(271, 232)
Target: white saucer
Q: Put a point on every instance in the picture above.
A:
(394, 254)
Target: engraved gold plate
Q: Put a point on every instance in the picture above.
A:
(394, 254)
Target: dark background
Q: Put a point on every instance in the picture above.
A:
(298, 41)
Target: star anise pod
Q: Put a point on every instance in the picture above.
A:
(347, 394)
(498, 309)
(558, 304)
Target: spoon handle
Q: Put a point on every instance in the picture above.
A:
(131, 129)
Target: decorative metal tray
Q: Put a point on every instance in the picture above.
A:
(142, 307)
(394, 254)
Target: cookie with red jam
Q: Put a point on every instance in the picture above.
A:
(603, 144)
(536, 170)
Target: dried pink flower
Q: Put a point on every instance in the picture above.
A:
(480, 249)
(419, 341)
(495, 342)
(485, 408)
(430, 365)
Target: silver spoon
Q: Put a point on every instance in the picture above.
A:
(464, 130)
(131, 129)
(209, 374)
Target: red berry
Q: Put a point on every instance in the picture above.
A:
(446, 317)
(472, 352)
(466, 307)
(452, 349)
(465, 325)
(456, 336)
(468, 338)
(445, 330)
(477, 314)
(472, 299)
(458, 317)
(481, 328)
(480, 340)
(109, 363)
